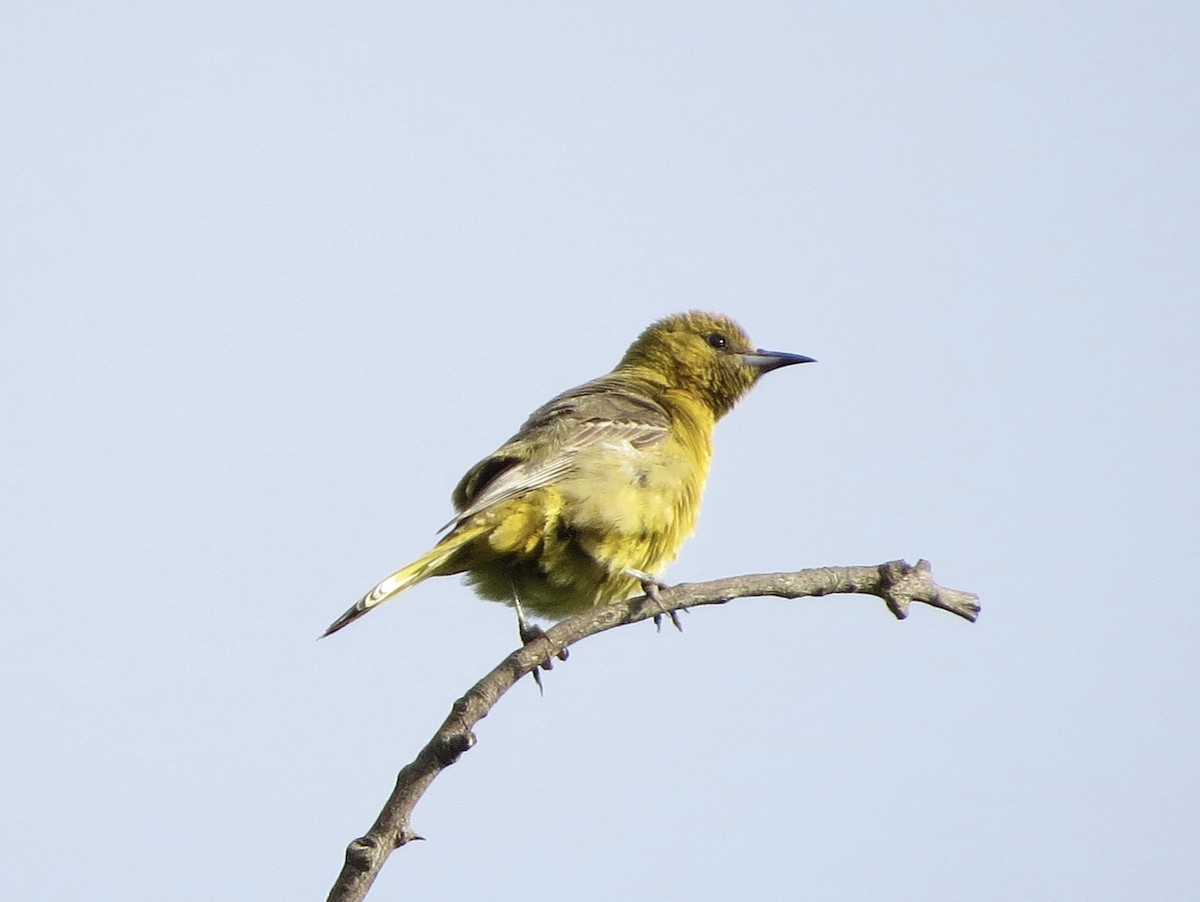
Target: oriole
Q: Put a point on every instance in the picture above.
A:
(597, 491)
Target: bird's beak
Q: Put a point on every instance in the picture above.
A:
(765, 361)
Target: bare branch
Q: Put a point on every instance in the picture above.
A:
(898, 583)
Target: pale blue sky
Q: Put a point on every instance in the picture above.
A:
(275, 275)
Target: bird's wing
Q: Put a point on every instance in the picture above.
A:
(547, 446)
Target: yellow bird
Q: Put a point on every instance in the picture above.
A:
(597, 491)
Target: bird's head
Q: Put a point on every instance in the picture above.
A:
(707, 354)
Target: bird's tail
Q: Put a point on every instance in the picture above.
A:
(427, 565)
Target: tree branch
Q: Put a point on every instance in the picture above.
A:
(898, 583)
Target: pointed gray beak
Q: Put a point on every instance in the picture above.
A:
(765, 361)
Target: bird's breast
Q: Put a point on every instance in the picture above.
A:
(633, 507)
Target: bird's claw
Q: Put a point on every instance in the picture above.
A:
(651, 587)
(528, 631)
(531, 632)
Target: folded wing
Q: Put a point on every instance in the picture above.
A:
(545, 450)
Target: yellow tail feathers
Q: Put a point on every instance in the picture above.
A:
(429, 564)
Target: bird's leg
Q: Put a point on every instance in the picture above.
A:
(529, 632)
(651, 586)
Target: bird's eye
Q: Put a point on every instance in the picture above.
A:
(717, 340)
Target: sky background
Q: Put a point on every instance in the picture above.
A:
(275, 275)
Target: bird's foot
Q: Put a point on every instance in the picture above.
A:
(652, 586)
(531, 632)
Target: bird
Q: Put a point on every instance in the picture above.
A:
(594, 495)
